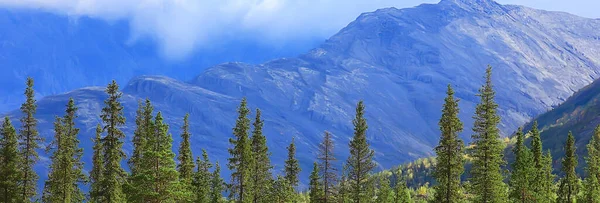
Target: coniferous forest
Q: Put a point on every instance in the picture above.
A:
(477, 171)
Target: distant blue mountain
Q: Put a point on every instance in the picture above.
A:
(64, 53)
(398, 61)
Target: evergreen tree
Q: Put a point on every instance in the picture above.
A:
(591, 183)
(139, 139)
(315, 190)
(283, 192)
(568, 188)
(360, 163)
(487, 153)
(144, 130)
(216, 185)
(326, 167)
(343, 187)
(66, 170)
(385, 193)
(523, 172)
(114, 175)
(186, 162)
(402, 193)
(292, 167)
(261, 173)
(97, 172)
(240, 163)
(9, 162)
(543, 180)
(29, 144)
(202, 179)
(449, 152)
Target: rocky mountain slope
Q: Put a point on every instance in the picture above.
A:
(398, 61)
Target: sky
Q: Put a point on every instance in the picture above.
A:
(181, 26)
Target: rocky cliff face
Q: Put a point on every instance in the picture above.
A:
(398, 61)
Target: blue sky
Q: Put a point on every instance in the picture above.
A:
(181, 26)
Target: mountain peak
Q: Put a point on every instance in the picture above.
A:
(488, 6)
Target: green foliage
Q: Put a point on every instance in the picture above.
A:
(523, 172)
(543, 181)
(487, 153)
(29, 140)
(202, 179)
(185, 157)
(241, 162)
(450, 155)
(314, 186)
(283, 191)
(292, 167)
(216, 185)
(261, 172)
(569, 184)
(97, 172)
(360, 163)
(327, 169)
(401, 192)
(9, 162)
(385, 194)
(591, 184)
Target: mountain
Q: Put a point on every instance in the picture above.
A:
(398, 61)
(67, 52)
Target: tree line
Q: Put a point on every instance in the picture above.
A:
(157, 174)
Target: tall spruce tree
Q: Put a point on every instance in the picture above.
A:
(202, 179)
(402, 193)
(543, 180)
(111, 184)
(523, 172)
(591, 184)
(216, 185)
(240, 163)
(487, 152)
(314, 186)
(261, 172)
(360, 162)
(29, 140)
(185, 157)
(449, 152)
(283, 192)
(385, 193)
(97, 172)
(569, 184)
(343, 188)
(327, 169)
(139, 139)
(292, 167)
(9, 162)
(66, 170)
(144, 129)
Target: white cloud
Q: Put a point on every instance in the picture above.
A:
(180, 26)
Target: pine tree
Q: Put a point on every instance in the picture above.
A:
(326, 167)
(144, 130)
(97, 172)
(315, 189)
(261, 173)
(216, 185)
(360, 163)
(449, 152)
(487, 153)
(523, 172)
(543, 180)
(66, 170)
(186, 162)
(343, 186)
(385, 193)
(240, 162)
(592, 181)
(402, 193)
(9, 162)
(292, 167)
(568, 188)
(29, 144)
(114, 176)
(283, 192)
(202, 179)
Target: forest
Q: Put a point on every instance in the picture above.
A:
(475, 172)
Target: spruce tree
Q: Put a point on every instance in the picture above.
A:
(523, 172)
(111, 185)
(283, 192)
(202, 179)
(261, 172)
(591, 183)
(216, 185)
(66, 170)
(327, 167)
(314, 186)
(402, 193)
(9, 162)
(97, 172)
(185, 157)
(385, 193)
(449, 152)
(292, 167)
(343, 187)
(543, 180)
(568, 189)
(360, 163)
(144, 129)
(29, 140)
(487, 153)
(240, 163)
(139, 139)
